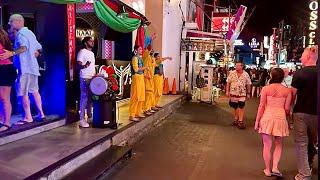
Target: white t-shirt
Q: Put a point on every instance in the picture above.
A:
(84, 56)
(287, 81)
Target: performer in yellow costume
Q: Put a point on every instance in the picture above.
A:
(137, 92)
(150, 63)
(158, 78)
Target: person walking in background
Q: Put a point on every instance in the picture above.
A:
(304, 85)
(7, 78)
(26, 49)
(238, 90)
(86, 61)
(255, 82)
(137, 92)
(275, 103)
(287, 78)
(287, 83)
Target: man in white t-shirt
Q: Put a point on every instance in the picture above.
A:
(86, 61)
(287, 78)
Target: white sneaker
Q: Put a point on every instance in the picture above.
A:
(152, 111)
(84, 124)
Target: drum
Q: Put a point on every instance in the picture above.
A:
(98, 85)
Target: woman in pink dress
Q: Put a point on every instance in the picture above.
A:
(275, 103)
(7, 78)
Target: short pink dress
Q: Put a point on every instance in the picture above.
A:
(273, 121)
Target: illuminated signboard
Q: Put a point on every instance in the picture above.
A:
(254, 44)
(71, 38)
(313, 6)
(221, 24)
(81, 33)
(197, 45)
(238, 42)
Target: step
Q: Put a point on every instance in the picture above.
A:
(96, 167)
(26, 130)
(108, 142)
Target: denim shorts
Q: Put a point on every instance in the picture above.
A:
(27, 83)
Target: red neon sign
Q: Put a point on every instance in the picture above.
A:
(221, 24)
(71, 38)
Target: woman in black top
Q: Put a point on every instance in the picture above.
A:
(7, 78)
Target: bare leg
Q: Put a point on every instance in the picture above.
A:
(258, 91)
(277, 154)
(267, 144)
(37, 99)
(241, 114)
(236, 114)
(253, 90)
(6, 104)
(26, 108)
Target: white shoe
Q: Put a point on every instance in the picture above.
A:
(152, 111)
(84, 124)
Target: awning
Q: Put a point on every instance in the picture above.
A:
(202, 34)
(114, 13)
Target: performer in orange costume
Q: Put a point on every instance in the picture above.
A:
(137, 92)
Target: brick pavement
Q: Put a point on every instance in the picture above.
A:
(198, 143)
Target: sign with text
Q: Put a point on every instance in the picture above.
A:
(81, 33)
(197, 45)
(71, 38)
(313, 7)
(221, 24)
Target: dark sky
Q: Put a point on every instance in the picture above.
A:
(269, 13)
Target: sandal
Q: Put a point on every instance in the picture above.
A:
(276, 173)
(235, 123)
(266, 173)
(22, 122)
(134, 119)
(6, 126)
(241, 125)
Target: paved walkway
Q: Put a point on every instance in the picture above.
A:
(198, 143)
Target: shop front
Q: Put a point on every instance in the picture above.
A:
(47, 21)
(60, 26)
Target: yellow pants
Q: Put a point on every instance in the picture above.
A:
(137, 95)
(149, 102)
(158, 88)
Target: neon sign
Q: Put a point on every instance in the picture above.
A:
(71, 38)
(313, 6)
(254, 44)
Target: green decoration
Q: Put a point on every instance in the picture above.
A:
(63, 1)
(118, 22)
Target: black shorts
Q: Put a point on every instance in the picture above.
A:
(10, 74)
(236, 105)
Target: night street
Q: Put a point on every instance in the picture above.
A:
(197, 142)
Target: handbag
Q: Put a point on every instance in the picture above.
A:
(200, 82)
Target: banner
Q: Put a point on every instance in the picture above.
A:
(71, 39)
(235, 28)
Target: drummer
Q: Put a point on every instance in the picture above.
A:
(86, 62)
